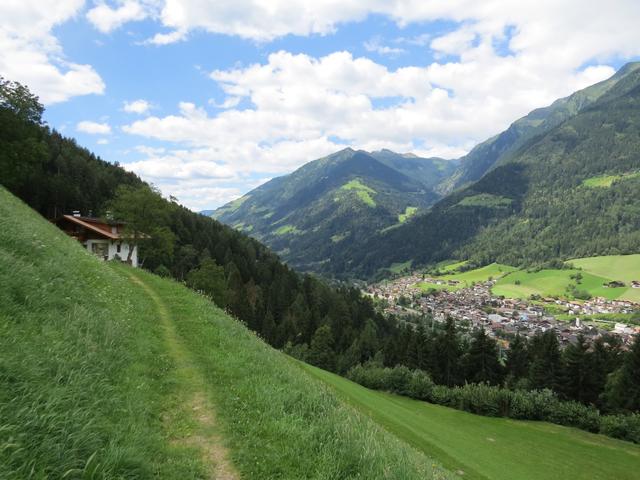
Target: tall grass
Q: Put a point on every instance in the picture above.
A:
(82, 368)
(278, 421)
(89, 390)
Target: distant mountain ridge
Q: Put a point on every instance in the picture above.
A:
(541, 120)
(342, 198)
(569, 192)
(358, 214)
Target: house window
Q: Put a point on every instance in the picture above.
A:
(118, 248)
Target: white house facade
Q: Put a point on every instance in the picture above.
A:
(103, 238)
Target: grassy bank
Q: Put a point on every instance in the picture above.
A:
(595, 272)
(492, 448)
(107, 372)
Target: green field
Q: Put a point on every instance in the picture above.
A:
(408, 213)
(596, 271)
(362, 191)
(604, 181)
(492, 448)
(287, 229)
(109, 372)
(400, 267)
(466, 279)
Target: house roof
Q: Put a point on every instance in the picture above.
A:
(94, 225)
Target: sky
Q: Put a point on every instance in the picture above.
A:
(208, 99)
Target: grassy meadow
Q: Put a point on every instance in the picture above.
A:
(595, 271)
(113, 373)
(478, 447)
(468, 278)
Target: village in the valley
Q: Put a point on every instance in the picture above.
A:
(476, 307)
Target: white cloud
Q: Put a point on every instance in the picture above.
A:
(137, 106)
(106, 18)
(30, 54)
(501, 60)
(375, 45)
(103, 141)
(93, 128)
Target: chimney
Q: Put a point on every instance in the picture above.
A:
(76, 213)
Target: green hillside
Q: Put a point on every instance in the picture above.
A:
(489, 153)
(336, 202)
(595, 272)
(466, 279)
(533, 206)
(109, 372)
(492, 448)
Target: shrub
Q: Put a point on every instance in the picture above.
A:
(624, 427)
(493, 401)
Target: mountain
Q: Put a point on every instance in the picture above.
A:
(342, 199)
(571, 191)
(488, 153)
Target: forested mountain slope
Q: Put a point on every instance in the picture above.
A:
(238, 272)
(570, 192)
(490, 152)
(343, 199)
(109, 372)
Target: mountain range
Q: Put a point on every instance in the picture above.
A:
(341, 199)
(560, 182)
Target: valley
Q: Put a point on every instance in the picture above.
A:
(506, 301)
(219, 259)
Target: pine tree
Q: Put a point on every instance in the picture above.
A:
(517, 364)
(481, 362)
(545, 367)
(578, 375)
(623, 388)
(321, 352)
(447, 355)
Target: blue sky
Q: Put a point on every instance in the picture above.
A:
(224, 95)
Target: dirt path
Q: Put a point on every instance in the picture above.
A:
(193, 401)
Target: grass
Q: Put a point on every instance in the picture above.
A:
(595, 271)
(408, 213)
(466, 279)
(109, 372)
(362, 191)
(492, 448)
(232, 206)
(287, 230)
(605, 181)
(451, 266)
(84, 375)
(339, 237)
(400, 267)
(485, 200)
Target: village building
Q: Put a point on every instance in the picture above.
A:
(103, 238)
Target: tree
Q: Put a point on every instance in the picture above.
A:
(623, 387)
(517, 363)
(481, 361)
(145, 213)
(446, 355)
(578, 372)
(23, 150)
(210, 279)
(18, 99)
(545, 367)
(321, 352)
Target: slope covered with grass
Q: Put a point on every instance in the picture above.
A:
(108, 372)
(492, 448)
(596, 273)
